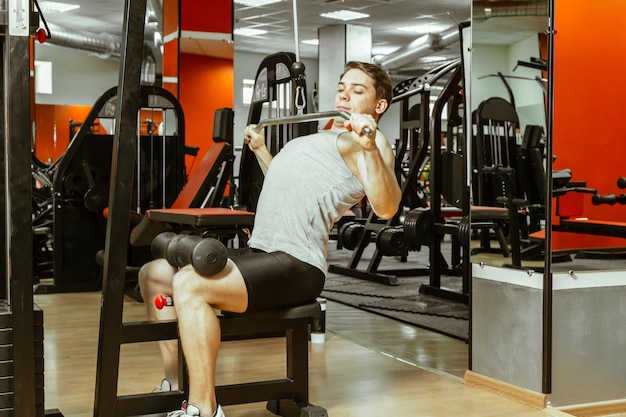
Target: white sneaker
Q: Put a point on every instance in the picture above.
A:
(164, 387)
(219, 412)
(191, 410)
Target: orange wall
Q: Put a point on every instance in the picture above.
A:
(589, 74)
(206, 84)
(52, 125)
(587, 136)
(202, 84)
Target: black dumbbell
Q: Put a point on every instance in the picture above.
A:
(160, 244)
(182, 249)
(166, 245)
(208, 256)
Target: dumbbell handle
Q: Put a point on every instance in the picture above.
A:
(161, 301)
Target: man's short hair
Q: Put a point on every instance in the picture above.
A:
(382, 82)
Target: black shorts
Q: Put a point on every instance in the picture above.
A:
(276, 279)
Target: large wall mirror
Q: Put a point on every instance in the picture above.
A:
(508, 104)
(509, 97)
(557, 332)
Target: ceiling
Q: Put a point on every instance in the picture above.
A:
(385, 16)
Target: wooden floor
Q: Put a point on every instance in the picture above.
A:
(370, 366)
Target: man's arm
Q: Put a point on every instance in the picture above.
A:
(256, 143)
(373, 160)
(376, 170)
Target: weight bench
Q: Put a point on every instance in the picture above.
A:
(287, 397)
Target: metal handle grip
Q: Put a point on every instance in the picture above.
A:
(301, 118)
(368, 131)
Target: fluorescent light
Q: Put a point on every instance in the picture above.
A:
(345, 15)
(311, 41)
(422, 29)
(256, 3)
(249, 32)
(54, 6)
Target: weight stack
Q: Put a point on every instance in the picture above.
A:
(6, 361)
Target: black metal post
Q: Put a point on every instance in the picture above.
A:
(3, 176)
(18, 203)
(116, 245)
(546, 382)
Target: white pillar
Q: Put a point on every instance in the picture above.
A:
(339, 44)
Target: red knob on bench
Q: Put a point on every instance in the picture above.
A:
(162, 301)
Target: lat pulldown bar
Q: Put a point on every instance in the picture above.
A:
(306, 118)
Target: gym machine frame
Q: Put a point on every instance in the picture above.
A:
(80, 180)
(288, 396)
(120, 203)
(459, 231)
(278, 82)
(23, 367)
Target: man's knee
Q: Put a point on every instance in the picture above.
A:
(157, 270)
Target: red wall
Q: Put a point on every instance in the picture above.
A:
(198, 17)
(589, 73)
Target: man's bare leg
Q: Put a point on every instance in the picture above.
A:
(155, 278)
(195, 298)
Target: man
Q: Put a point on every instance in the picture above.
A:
(308, 186)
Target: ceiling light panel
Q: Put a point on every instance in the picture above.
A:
(423, 28)
(345, 15)
(249, 32)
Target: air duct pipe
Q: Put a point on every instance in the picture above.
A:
(104, 45)
(420, 47)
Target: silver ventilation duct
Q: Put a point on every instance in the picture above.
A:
(104, 45)
(420, 47)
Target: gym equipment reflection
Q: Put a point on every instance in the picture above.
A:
(506, 126)
(412, 152)
(564, 318)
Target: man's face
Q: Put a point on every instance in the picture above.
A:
(356, 93)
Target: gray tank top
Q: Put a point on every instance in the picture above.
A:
(307, 188)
